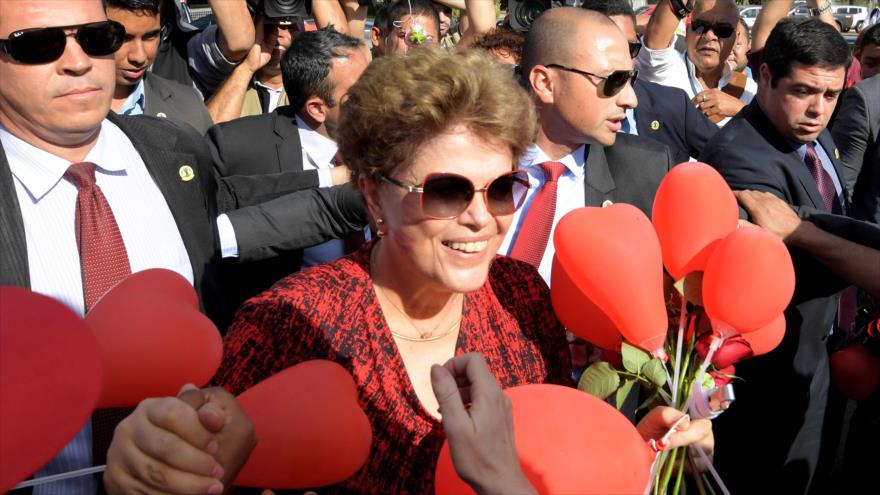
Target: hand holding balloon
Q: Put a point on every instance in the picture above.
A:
(173, 445)
(480, 436)
(659, 420)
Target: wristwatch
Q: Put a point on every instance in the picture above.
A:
(681, 8)
(821, 10)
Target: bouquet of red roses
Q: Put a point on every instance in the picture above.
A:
(674, 334)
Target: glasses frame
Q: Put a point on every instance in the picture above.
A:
(706, 26)
(605, 92)
(8, 45)
(420, 189)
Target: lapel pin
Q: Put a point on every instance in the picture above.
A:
(836, 154)
(161, 115)
(186, 173)
(607, 202)
(655, 124)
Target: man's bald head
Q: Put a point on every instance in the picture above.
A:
(557, 33)
(727, 7)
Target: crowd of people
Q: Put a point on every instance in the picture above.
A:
(389, 204)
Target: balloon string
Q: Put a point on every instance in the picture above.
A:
(678, 345)
(61, 476)
(713, 346)
(712, 470)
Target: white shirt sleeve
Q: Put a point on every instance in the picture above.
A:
(228, 242)
(664, 66)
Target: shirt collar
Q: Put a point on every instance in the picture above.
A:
(134, 104)
(320, 148)
(695, 82)
(258, 83)
(573, 161)
(39, 171)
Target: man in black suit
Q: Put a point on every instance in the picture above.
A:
(580, 115)
(318, 69)
(663, 113)
(856, 132)
(779, 144)
(88, 197)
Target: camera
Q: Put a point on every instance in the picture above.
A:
(521, 13)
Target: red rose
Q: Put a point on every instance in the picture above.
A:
(732, 350)
(723, 376)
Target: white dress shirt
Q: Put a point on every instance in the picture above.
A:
(670, 67)
(318, 152)
(570, 195)
(48, 208)
(274, 95)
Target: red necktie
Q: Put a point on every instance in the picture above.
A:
(535, 230)
(823, 180)
(102, 254)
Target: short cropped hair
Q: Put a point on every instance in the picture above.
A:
(742, 22)
(401, 8)
(611, 8)
(305, 66)
(809, 42)
(400, 103)
(504, 40)
(153, 7)
(868, 36)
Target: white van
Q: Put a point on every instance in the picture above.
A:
(860, 14)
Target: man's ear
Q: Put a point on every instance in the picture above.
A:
(542, 83)
(764, 75)
(376, 37)
(315, 108)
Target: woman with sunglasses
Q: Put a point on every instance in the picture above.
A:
(432, 138)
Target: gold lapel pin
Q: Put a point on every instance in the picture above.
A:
(186, 173)
(607, 203)
(836, 154)
(655, 124)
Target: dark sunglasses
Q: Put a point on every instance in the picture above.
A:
(43, 45)
(446, 196)
(634, 48)
(613, 82)
(722, 29)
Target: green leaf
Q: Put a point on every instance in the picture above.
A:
(649, 401)
(655, 371)
(599, 379)
(633, 358)
(623, 391)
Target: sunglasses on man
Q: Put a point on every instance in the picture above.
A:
(612, 84)
(43, 45)
(722, 29)
(445, 196)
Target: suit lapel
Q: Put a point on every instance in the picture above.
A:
(827, 142)
(599, 183)
(14, 269)
(288, 147)
(174, 174)
(155, 96)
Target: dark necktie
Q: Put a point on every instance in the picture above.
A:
(104, 263)
(823, 181)
(535, 230)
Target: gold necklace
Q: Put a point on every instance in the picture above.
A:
(429, 337)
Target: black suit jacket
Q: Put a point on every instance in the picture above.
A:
(261, 144)
(857, 132)
(781, 403)
(169, 99)
(166, 146)
(667, 115)
(629, 171)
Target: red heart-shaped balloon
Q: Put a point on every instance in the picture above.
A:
(693, 209)
(612, 256)
(50, 379)
(312, 431)
(767, 338)
(568, 442)
(153, 339)
(855, 371)
(577, 311)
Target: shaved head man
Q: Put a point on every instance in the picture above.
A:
(577, 65)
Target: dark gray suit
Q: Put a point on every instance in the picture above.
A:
(169, 99)
(855, 131)
(165, 146)
(773, 432)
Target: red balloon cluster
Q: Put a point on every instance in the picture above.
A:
(607, 273)
(855, 371)
(609, 264)
(311, 428)
(153, 339)
(50, 379)
(568, 442)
